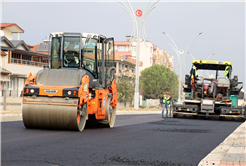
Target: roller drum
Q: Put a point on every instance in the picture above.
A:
(50, 116)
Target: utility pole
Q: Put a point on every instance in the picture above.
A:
(134, 31)
(179, 53)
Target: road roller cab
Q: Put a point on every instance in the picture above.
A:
(77, 86)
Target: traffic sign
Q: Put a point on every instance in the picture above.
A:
(181, 52)
(139, 13)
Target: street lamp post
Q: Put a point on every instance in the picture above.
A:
(178, 53)
(134, 31)
(210, 56)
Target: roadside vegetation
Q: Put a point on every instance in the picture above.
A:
(125, 89)
(156, 80)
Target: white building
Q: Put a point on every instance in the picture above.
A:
(17, 60)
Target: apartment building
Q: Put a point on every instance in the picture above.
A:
(125, 66)
(125, 62)
(149, 53)
(17, 60)
(163, 58)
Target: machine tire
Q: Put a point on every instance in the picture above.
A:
(110, 117)
(81, 117)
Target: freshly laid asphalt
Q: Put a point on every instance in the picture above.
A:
(135, 140)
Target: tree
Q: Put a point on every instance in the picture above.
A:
(158, 79)
(125, 89)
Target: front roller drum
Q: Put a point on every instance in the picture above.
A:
(53, 117)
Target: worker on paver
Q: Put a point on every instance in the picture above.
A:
(226, 74)
(166, 101)
(194, 76)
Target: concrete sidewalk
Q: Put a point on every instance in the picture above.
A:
(232, 151)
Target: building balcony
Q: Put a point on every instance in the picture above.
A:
(127, 59)
(22, 68)
(125, 53)
(126, 72)
(28, 63)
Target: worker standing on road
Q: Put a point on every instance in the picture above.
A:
(166, 101)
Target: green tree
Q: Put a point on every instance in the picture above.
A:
(125, 89)
(158, 79)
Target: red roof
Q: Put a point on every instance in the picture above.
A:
(6, 25)
(3, 53)
(29, 46)
(42, 52)
(154, 47)
(34, 48)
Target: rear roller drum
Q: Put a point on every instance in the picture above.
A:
(110, 114)
(112, 118)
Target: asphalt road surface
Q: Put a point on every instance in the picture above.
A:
(135, 140)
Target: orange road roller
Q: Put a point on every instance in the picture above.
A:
(78, 86)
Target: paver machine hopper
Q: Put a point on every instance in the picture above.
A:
(77, 86)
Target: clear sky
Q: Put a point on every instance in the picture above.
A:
(222, 24)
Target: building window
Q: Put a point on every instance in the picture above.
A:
(170, 59)
(10, 84)
(45, 60)
(26, 57)
(16, 56)
(132, 49)
(7, 77)
(4, 60)
(36, 59)
(121, 48)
